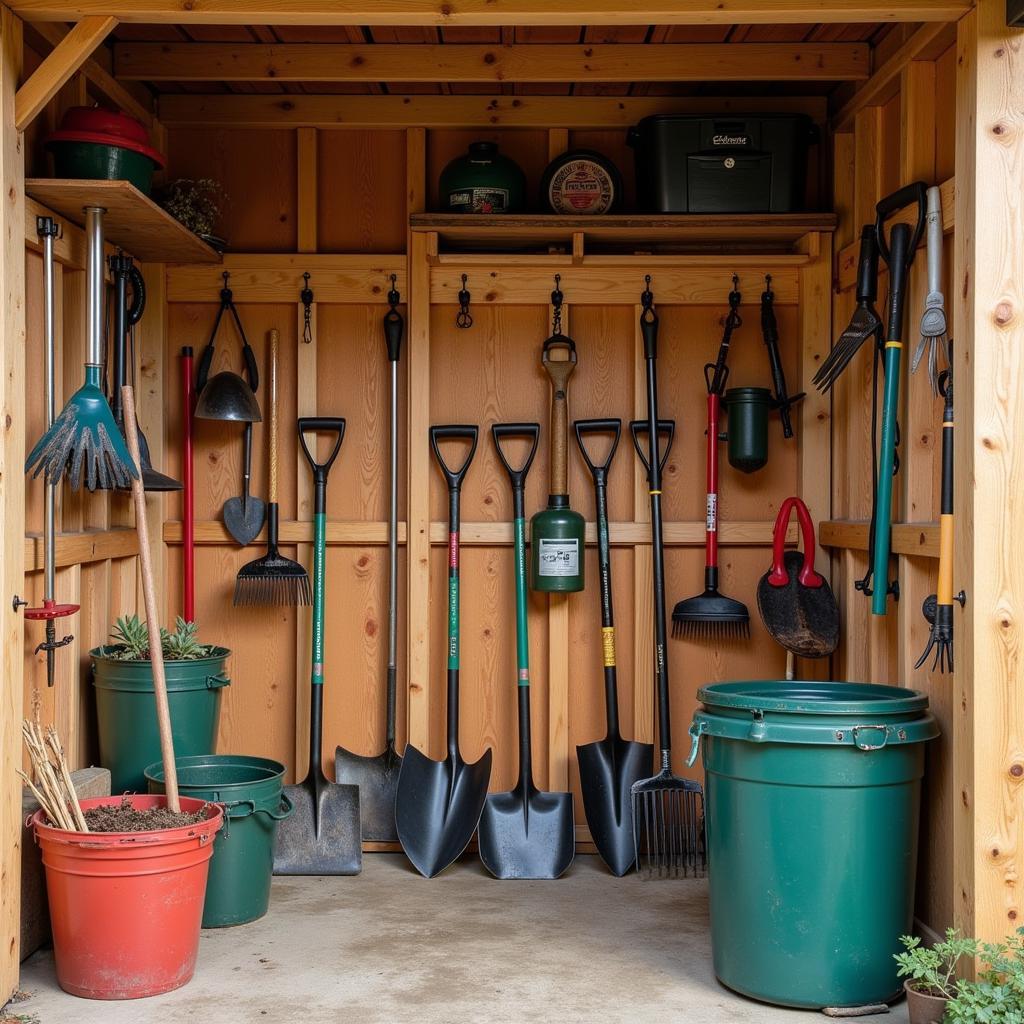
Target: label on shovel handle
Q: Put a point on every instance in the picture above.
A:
(608, 643)
(712, 513)
(558, 557)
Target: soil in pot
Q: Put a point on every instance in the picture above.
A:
(123, 817)
(924, 1008)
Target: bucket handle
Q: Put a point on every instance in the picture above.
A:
(697, 729)
(285, 810)
(865, 744)
(215, 682)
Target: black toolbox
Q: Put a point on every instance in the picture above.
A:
(695, 163)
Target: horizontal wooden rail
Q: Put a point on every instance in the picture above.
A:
(278, 278)
(525, 62)
(82, 548)
(292, 531)
(915, 539)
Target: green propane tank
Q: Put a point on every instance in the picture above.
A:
(748, 410)
(556, 533)
(483, 181)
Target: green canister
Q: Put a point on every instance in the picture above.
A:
(748, 410)
(483, 181)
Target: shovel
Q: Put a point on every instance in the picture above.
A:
(322, 836)
(609, 767)
(439, 803)
(525, 833)
(377, 777)
(244, 516)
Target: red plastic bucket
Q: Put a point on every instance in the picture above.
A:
(126, 906)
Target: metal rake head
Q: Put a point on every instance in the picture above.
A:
(272, 580)
(668, 827)
(864, 324)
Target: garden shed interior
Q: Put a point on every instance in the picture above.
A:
(328, 126)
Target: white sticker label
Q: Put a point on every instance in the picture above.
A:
(712, 513)
(558, 557)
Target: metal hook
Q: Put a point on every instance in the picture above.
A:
(464, 318)
(557, 298)
(306, 297)
(393, 297)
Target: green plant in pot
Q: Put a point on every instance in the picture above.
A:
(126, 706)
(996, 995)
(930, 973)
(199, 204)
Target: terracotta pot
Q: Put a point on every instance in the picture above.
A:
(923, 1008)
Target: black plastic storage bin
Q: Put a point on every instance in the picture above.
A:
(691, 163)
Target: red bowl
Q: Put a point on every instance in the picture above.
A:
(105, 128)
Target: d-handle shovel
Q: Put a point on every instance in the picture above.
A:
(322, 837)
(609, 767)
(439, 802)
(524, 833)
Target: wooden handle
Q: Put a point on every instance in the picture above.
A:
(559, 370)
(274, 339)
(156, 652)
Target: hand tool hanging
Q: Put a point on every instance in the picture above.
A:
(668, 811)
(377, 776)
(48, 230)
(938, 607)
(439, 803)
(524, 833)
(712, 615)
(84, 441)
(322, 835)
(227, 397)
(556, 533)
(770, 333)
(272, 579)
(609, 767)
(126, 315)
(933, 319)
(898, 253)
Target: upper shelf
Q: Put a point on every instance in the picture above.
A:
(727, 232)
(132, 221)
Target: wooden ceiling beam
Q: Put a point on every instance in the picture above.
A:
(491, 12)
(264, 111)
(621, 62)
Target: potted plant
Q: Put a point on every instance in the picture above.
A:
(930, 974)
(199, 204)
(125, 702)
(996, 995)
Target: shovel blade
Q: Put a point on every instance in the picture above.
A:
(244, 524)
(527, 834)
(608, 769)
(377, 781)
(438, 807)
(321, 836)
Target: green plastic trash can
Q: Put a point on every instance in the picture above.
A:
(812, 806)
(250, 791)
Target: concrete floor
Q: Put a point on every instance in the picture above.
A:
(389, 947)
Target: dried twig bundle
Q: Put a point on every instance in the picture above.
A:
(53, 787)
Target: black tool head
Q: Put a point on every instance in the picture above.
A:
(227, 397)
(865, 323)
(438, 807)
(804, 620)
(152, 479)
(711, 616)
(526, 833)
(272, 580)
(377, 779)
(244, 521)
(608, 770)
(668, 827)
(321, 836)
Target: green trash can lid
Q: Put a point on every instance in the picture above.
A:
(804, 697)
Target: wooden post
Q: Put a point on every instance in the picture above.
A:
(12, 496)
(989, 378)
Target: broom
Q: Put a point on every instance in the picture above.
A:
(272, 579)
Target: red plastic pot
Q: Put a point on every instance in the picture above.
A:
(126, 907)
(105, 128)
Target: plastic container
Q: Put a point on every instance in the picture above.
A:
(692, 163)
(483, 181)
(581, 182)
(249, 790)
(812, 806)
(747, 410)
(126, 712)
(125, 907)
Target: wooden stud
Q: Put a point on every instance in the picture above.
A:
(533, 62)
(12, 495)
(58, 66)
(307, 186)
(558, 142)
(82, 547)
(919, 540)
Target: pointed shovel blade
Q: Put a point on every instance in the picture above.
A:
(244, 522)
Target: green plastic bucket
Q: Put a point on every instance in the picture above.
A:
(126, 712)
(250, 791)
(812, 806)
(109, 163)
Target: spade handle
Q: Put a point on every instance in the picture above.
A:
(559, 370)
(272, 441)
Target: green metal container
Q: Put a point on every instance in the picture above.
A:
(126, 712)
(557, 548)
(108, 163)
(748, 409)
(250, 790)
(483, 181)
(812, 805)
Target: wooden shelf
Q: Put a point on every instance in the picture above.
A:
(920, 540)
(708, 232)
(132, 221)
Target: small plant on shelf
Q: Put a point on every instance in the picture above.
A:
(199, 204)
(131, 641)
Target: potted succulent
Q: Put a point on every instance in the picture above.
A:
(125, 702)
(199, 204)
(930, 974)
